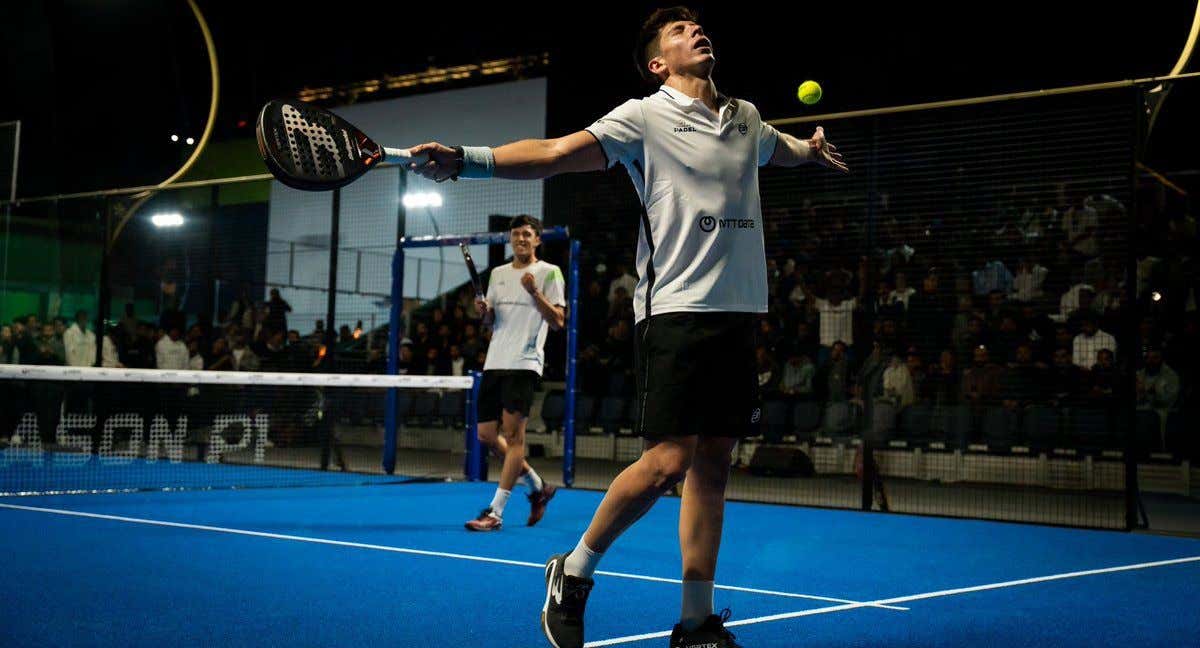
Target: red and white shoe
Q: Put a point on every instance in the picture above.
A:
(487, 521)
(538, 502)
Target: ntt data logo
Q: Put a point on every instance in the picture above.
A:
(708, 223)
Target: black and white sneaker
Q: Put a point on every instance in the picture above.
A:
(566, 598)
(710, 634)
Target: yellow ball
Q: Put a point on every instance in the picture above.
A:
(809, 92)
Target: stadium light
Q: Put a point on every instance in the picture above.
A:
(422, 199)
(167, 219)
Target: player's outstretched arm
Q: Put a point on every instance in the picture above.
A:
(792, 151)
(523, 160)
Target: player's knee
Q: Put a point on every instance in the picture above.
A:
(487, 436)
(514, 436)
(670, 467)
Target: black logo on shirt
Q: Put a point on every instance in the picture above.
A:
(708, 223)
(743, 129)
(684, 128)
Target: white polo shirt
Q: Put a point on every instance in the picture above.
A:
(519, 330)
(700, 247)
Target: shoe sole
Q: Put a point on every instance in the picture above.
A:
(474, 530)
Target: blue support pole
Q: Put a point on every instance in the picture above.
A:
(572, 374)
(390, 422)
(473, 464)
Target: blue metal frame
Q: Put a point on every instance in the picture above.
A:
(474, 462)
(572, 370)
(476, 459)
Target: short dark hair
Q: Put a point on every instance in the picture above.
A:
(647, 40)
(526, 219)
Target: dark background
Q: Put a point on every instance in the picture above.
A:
(101, 85)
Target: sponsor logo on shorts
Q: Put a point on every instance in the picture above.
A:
(756, 415)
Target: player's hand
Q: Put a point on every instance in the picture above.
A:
(827, 154)
(443, 162)
(481, 306)
(530, 284)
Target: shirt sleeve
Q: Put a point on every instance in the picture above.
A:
(768, 139)
(490, 296)
(555, 287)
(620, 132)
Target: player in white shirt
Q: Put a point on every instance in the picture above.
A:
(693, 156)
(525, 299)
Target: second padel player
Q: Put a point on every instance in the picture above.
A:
(524, 301)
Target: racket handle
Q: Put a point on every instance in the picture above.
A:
(404, 156)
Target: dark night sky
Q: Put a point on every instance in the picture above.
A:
(100, 84)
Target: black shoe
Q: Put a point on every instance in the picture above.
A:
(566, 597)
(710, 634)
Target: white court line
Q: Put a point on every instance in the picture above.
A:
(415, 552)
(752, 590)
(908, 599)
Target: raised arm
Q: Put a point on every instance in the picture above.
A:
(522, 160)
(792, 151)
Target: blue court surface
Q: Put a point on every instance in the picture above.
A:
(392, 566)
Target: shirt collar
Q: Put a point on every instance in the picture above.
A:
(723, 101)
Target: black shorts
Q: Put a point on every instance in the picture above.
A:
(696, 375)
(506, 389)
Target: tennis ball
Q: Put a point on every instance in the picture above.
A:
(809, 92)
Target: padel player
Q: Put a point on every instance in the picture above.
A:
(524, 300)
(693, 156)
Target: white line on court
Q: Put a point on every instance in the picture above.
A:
(415, 552)
(913, 597)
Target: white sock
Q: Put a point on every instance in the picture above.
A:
(532, 480)
(500, 501)
(582, 562)
(697, 603)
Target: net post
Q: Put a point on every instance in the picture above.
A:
(391, 416)
(104, 296)
(1128, 419)
(473, 468)
(572, 347)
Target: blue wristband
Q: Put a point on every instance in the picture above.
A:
(477, 162)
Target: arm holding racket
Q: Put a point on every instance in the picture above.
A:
(522, 160)
(486, 313)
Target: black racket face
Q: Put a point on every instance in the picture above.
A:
(312, 149)
(471, 268)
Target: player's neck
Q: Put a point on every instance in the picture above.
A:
(518, 264)
(701, 88)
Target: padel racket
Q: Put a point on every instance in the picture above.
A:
(471, 269)
(312, 149)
